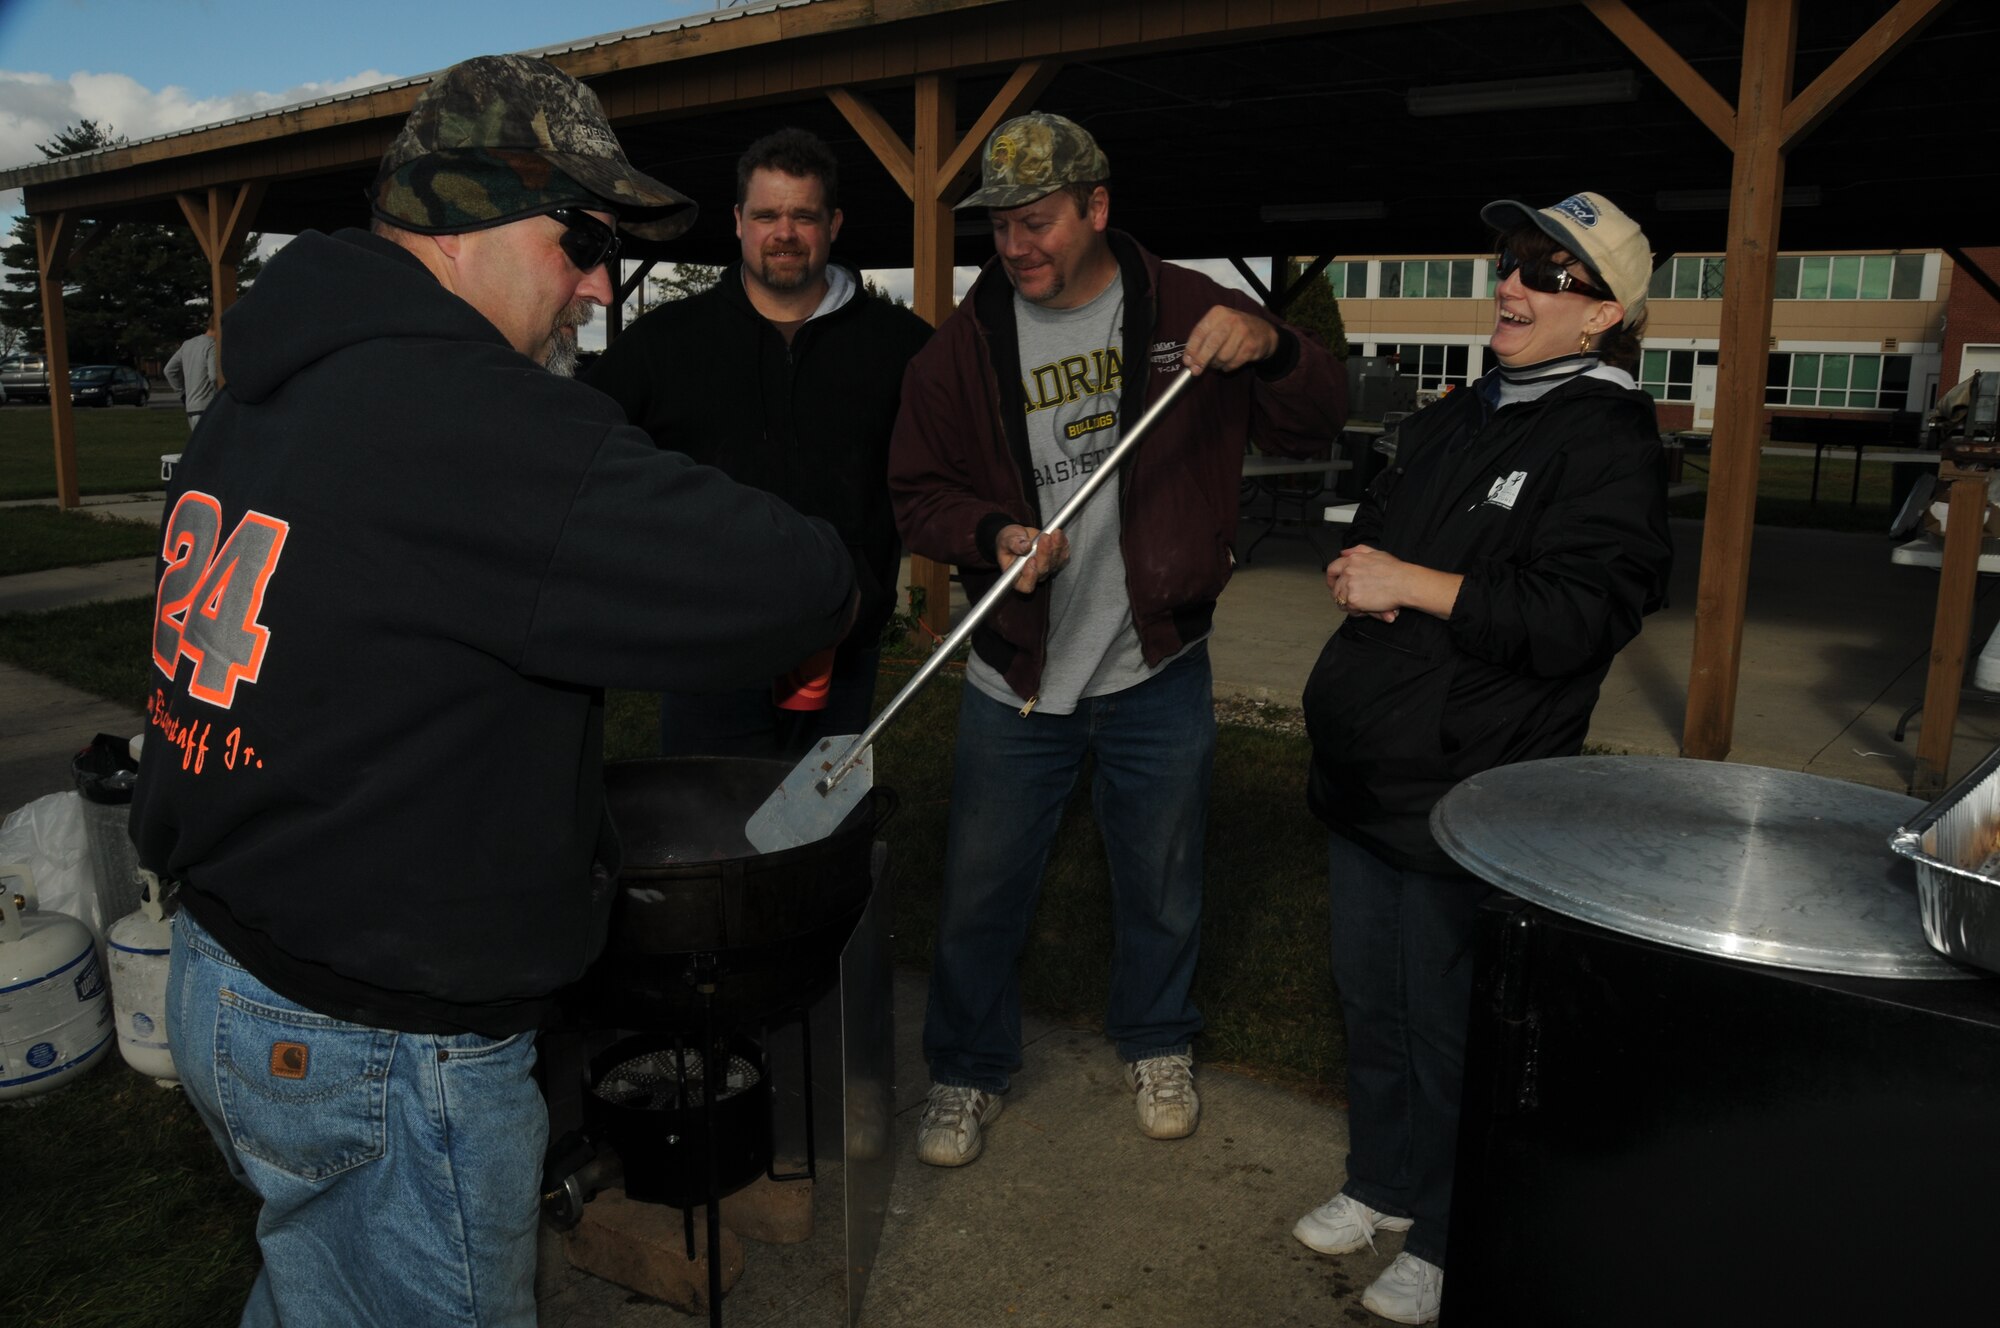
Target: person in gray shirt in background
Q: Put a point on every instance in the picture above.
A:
(191, 372)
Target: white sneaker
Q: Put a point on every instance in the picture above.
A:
(1344, 1224)
(1408, 1291)
(1168, 1104)
(949, 1133)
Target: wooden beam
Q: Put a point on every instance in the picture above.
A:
(1980, 276)
(882, 139)
(1311, 272)
(1256, 282)
(1951, 631)
(1839, 80)
(1757, 185)
(52, 250)
(1665, 63)
(930, 275)
(1019, 93)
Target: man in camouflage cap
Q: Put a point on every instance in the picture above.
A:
(403, 561)
(1071, 331)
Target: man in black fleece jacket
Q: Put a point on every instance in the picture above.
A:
(786, 374)
(400, 562)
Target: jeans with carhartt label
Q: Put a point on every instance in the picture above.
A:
(399, 1171)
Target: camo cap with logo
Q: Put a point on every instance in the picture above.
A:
(1033, 155)
(500, 137)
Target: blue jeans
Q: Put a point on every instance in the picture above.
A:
(1402, 959)
(399, 1171)
(745, 721)
(1155, 747)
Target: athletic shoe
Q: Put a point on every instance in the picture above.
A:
(1408, 1291)
(949, 1133)
(1344, 1224)
(1164, 1087)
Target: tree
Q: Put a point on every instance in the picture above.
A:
(681, 281)
(135, 293)
(1315, 309)
(868, 285)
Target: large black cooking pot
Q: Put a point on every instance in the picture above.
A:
(702, 916)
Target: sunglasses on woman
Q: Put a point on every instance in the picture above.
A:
(586, 241)
(1545, 275)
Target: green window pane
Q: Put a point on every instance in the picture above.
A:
(1711, 278)
(1812, 278)
(1662, 285)
(1805, 371)
(1804, 397)
(1833, 398)
(1867, 372)
(1461, 279)
(1908, 283)
(1653, 367)
(1492, 282)
(1440, 282)
(1846, 284)
(1336, 280)
(1833, 370)
(1687, 278)
(1788, 278)
(1875, 272)
(1413, 281)
(1392, 280)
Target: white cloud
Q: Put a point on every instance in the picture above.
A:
(34, 107)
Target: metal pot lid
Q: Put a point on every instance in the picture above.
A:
(1737, 861)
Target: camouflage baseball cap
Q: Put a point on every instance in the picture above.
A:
(1033, 155)
(500, 137)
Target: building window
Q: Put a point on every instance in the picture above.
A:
(1697, 278)
(1431, 366)
(1667, 375)
(1838, 381)
(1850, 277)
(1349, 280)
(1427, 279)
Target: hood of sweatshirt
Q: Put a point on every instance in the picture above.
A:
(323, 293)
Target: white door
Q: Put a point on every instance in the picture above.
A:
(1704, 398)
(1978, 359)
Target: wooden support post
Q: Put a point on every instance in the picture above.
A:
(52, 251)
(220, 218)
(1757, 183)
(932, 246)
(1951, 633)
(931, 170)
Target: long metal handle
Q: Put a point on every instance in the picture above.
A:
(1000, 588)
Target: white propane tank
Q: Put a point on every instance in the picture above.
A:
(54, 1014)
(140, 944)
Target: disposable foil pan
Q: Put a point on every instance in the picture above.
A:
(1955, 844)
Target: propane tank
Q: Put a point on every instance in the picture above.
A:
(54, 1015)
(140, 944)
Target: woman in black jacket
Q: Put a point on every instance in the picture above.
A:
(1489, 578)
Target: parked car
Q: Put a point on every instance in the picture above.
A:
(107, 384)
(24, 377)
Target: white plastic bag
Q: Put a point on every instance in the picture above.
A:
(48, 835)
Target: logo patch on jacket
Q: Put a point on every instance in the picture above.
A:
(1506, 489)
(289, 1060)
(1166, 355)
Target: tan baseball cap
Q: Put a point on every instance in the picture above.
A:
(1598, 232)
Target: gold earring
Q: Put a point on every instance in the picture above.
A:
(1583, 342)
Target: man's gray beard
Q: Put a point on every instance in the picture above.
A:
(561, 359)
(769, 277)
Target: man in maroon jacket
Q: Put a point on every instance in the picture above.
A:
(1071, 330)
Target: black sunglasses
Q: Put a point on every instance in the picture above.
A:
(586, 241)
(1545, 275)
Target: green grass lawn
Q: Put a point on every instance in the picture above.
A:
(33, 539)
(1784, 492)
(117, 450)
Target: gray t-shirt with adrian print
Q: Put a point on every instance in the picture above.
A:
(1072, 371)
